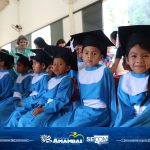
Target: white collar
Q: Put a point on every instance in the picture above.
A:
(54, 81)
(2, 74)
(37, 77)
(133, 85)
(89, 77)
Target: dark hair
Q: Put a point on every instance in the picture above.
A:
(60, 41)
(21, 37)
(46, 63)
(9, 64)
(8, 60)
(113, 35)
(125, 65)
(138, 39)
(25, 63)
(40, 42)
(144, 42)
(66, 58)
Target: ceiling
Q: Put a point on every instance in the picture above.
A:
(3, 4)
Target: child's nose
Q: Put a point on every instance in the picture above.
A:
(89, 55)
(140, 60)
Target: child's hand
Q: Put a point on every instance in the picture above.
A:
(38, 110)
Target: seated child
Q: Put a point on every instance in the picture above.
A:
(37, 87)
(96, 86)
(134, 87)
(6, 85)
(57, 99)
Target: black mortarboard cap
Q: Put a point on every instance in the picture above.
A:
(5, 51)
(94, 38)
(5, 56)
(133, 35)
(42, 56)
(65, 53)
(23, 59)
(72, 43)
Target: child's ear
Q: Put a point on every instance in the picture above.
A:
(127, 60)
(43, 66)
(100, 57)
(68, 68)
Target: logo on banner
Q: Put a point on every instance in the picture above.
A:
(46, 139)
(98, 139)
(74, 138)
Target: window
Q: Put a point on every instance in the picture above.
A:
(56, 31)
(7, 47)
(92, 17)
(44, 33)
(138, 12)
(115, 13)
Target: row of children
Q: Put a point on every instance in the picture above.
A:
(46, 101)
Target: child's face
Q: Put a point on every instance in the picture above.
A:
(138, 59)
(37, 67)
(91, 56)
(49, 69)
(62, 44)
(79, 51)
(59, 66)
(21, 68)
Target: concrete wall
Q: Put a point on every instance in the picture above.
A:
(34, 14)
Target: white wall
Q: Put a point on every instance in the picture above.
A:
(7, 17)
(78, 4)
(34, 14)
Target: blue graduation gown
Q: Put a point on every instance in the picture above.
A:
(80, 64)
(37, 89)
(22, 85)
(56, 99)
(98, 100)
(132, 90)
(13, 74)
(6, 85)
(21, 89)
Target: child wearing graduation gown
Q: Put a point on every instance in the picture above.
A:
(96, 86)
(76, 47)
(57, 99)
(134, 87)
(6, 85)
(21, 87)
(11, 70)
(37, 87)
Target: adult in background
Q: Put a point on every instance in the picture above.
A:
(21, 48)
(61, 43)
(40, 42)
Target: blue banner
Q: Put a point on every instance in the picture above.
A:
(74, 138)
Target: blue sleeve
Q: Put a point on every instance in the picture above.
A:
(26, 87)
(112, 96)
(23, 88)
(42, 100)
(31, 101)
(63, 96)
(6, 87)
(126, 110)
